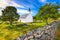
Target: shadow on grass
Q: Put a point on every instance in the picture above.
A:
(23, 28)
(17, 27)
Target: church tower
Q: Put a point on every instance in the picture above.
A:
(29, 10)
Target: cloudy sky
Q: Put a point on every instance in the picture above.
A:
(23, 5)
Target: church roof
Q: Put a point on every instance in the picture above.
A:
(24, 16)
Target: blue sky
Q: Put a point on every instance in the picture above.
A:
(23, 5)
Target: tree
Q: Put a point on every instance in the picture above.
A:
(48, 11)
(10, 14)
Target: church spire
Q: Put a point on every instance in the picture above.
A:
(29, 10)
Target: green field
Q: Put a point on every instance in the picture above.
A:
(10, 32)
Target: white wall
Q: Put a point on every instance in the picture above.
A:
(28, 19)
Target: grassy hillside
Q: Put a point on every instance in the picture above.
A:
(10, 32)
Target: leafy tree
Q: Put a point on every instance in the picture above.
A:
(9, 14)
(48, 11)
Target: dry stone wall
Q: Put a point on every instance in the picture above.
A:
(45, 33)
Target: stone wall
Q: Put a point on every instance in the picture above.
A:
(45, 33)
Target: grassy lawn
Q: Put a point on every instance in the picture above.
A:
(8, 32)
(57, 35)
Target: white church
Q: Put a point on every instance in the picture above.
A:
(26, 17)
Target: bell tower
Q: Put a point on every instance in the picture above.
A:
(29, 10)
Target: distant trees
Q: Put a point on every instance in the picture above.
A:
(9, 14)
(48, 11)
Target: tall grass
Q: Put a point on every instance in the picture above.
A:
(57, 35)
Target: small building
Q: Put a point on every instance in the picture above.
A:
(26, 17)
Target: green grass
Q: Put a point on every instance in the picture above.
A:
(10, 32)
(57, 35)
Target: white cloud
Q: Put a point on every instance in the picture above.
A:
(4, 3)
(42, 0)
(22, 11)
(12, 3)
